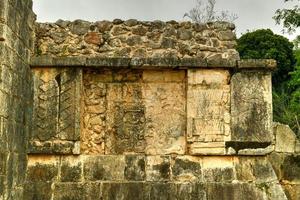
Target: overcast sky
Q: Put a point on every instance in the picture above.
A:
(252, 14)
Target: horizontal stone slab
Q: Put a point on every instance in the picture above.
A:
(150, 62)
(257, 63)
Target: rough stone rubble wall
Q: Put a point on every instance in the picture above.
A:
(16, 46)
(131, 38)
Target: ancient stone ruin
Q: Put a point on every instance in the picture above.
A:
(131, 110)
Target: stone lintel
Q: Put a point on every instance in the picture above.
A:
(134, 63)
(151, 62)
(269, 64)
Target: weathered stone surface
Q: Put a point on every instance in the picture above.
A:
(187, 169)
(135, 168)
(208, 117)
(74, 191)
(291, 168)
(124, 110)
(38, 191)
(292, 191)
(285, 138)
(218, 169)
(257, 63)
(71, 169)
(157, 37)
(158, 168)
(56, 110)
(123, 191)
(275, 191)
(79, 27)
(232, 191)
(254, 169)
(251, 109)
(97, 168)
(191, 191)
(42, 169)
(16, 47)
(164, 99)
(93, 38)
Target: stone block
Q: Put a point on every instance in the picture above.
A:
(208, 105)
(135, 168)
(207, 148)
(3, 160)
(297, 147)
(276, 191)
(38, 190)
(42, 168)
(291, 168)
(158, 168)
(251, 108)
(103, 168)
(234, 191)
(160, 191)
(123, 191)
(285, 139)
(71, 169)
(292, 191)
(191, 191)
(257, 169)
(84, 191)
(267, 64)
(218, 169)
(186, 169)
(2, 186)
(152, 76)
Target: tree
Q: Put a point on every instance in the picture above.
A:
(205, 12)
(290, 18)
(264, 43)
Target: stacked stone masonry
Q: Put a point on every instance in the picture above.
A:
(136, 110)
(16, 48)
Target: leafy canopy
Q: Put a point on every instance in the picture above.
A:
(263, 43)
(290, 18)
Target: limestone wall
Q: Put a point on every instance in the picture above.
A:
(132, 110)
(16, 46)
(123, 111)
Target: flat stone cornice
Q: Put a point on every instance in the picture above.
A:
(140, 63)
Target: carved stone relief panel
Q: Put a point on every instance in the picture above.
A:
(251, 108)
(133, 111)
(208, 111)
(164, 95)
(56, 113)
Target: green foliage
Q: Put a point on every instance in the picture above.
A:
(294, 85)
(264, 43)
(290, 18)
